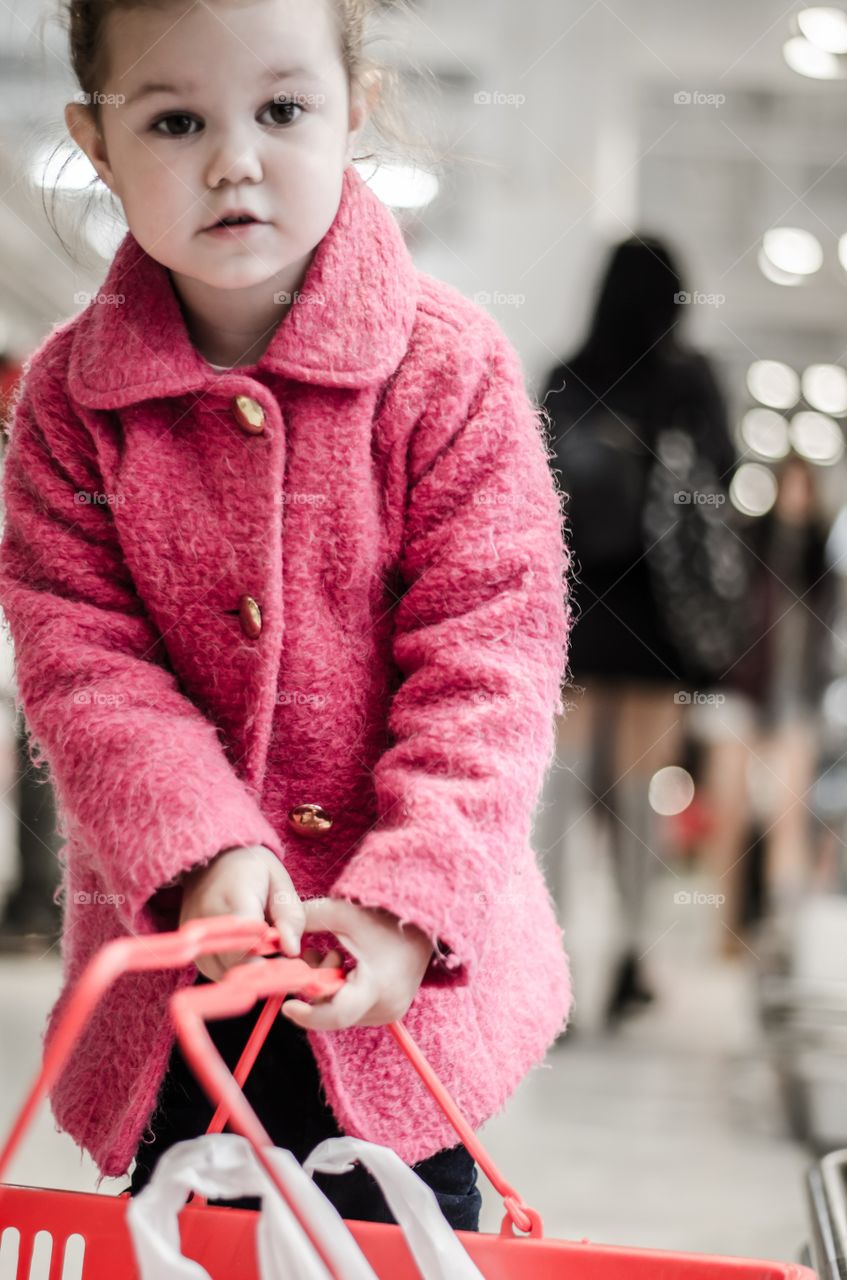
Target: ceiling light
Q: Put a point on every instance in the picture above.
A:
(825, 388)
(826, 28)
(773, 273)
(793, 250)
(808, 60)
(765, 432)
(670, 790)
(773, 383)
(752, 490)
(816, 438)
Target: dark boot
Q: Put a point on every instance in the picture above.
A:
(630, 990)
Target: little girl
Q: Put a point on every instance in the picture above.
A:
(284, 568)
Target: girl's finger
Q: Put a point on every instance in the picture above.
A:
(332, 960)
(229, 959)
(211, 967)
(334, 915)
(350, 1003)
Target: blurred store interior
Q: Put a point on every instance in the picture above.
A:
(692, 830)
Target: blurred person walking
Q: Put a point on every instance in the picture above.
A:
(639, 427)
(778, 683)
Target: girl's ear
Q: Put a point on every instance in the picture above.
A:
(363, 99)
(83, 129)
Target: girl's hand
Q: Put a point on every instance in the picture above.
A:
(391, 963)
(246, 881)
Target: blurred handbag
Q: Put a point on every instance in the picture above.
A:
(698, 561)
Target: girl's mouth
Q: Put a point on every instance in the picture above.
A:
(236, 227)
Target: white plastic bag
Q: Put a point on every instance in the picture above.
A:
(224, 1166)
(437, 1250)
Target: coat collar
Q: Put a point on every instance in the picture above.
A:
(139, 348)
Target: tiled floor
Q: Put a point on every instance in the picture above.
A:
(666, 1135)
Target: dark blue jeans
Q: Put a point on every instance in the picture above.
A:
(284, 1088)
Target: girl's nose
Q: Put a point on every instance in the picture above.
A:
(234, 159)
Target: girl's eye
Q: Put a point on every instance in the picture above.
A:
(179, 123)
(180, 119)
(282, 112)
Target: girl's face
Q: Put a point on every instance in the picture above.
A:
(222, 105)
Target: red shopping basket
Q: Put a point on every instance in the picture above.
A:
(87, 1233)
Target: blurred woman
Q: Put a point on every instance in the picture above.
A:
(780, 679)
(632, 379)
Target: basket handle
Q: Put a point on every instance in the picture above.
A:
(170, 950)
(237, 993)
(157, 951)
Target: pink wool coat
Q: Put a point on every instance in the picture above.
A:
(384, 499)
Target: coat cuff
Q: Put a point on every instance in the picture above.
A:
(382, 875)
(164, 906)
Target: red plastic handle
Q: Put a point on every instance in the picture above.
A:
(236, 993)
(125, 955)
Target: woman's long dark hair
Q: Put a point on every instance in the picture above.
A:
(635, 316)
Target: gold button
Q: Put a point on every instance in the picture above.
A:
(250, 616)
(309, 820)
(249, 415)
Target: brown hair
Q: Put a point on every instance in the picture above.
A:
(386, 127)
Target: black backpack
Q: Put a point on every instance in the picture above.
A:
(604, 470)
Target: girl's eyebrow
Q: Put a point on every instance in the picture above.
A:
(150, 87)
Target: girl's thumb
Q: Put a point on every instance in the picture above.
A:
(288, 916)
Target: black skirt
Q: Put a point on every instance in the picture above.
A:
(618, 632)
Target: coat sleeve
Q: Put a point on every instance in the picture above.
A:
(480, 639)
(143, 785)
